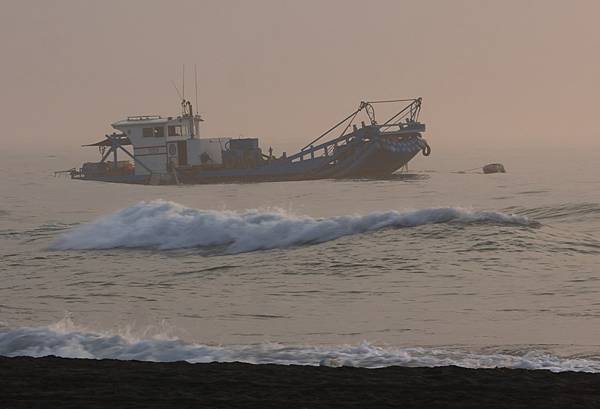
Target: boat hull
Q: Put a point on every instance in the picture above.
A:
(374, 158)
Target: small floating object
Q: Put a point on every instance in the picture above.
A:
(494, 168)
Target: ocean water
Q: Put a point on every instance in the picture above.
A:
(431, 267)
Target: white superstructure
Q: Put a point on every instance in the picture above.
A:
(161, 144)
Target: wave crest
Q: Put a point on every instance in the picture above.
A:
(68, 342)
(166, 225)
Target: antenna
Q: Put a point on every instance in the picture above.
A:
(183, 80)
(196, 85)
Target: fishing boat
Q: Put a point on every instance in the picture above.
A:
(171, 150)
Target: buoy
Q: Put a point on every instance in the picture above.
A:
(494, 168)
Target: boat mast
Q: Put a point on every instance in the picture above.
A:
(187, 110)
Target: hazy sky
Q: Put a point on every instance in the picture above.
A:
(494, 73)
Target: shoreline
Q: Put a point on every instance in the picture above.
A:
(52, 382)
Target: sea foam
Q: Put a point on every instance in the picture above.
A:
(70, 342)
(166, 225)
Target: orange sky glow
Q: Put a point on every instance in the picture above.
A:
(493, 73)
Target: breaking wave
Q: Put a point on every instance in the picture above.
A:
(69, 342)
(166, 225)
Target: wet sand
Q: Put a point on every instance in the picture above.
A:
(78, 383)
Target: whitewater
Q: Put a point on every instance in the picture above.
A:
(167, 225)
(65, 339)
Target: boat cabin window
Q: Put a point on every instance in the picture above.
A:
(175, 130)
(154, 132)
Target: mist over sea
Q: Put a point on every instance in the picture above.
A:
(431, 267)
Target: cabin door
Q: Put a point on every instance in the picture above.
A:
(182, 153)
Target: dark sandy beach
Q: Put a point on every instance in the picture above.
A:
(77, 383)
